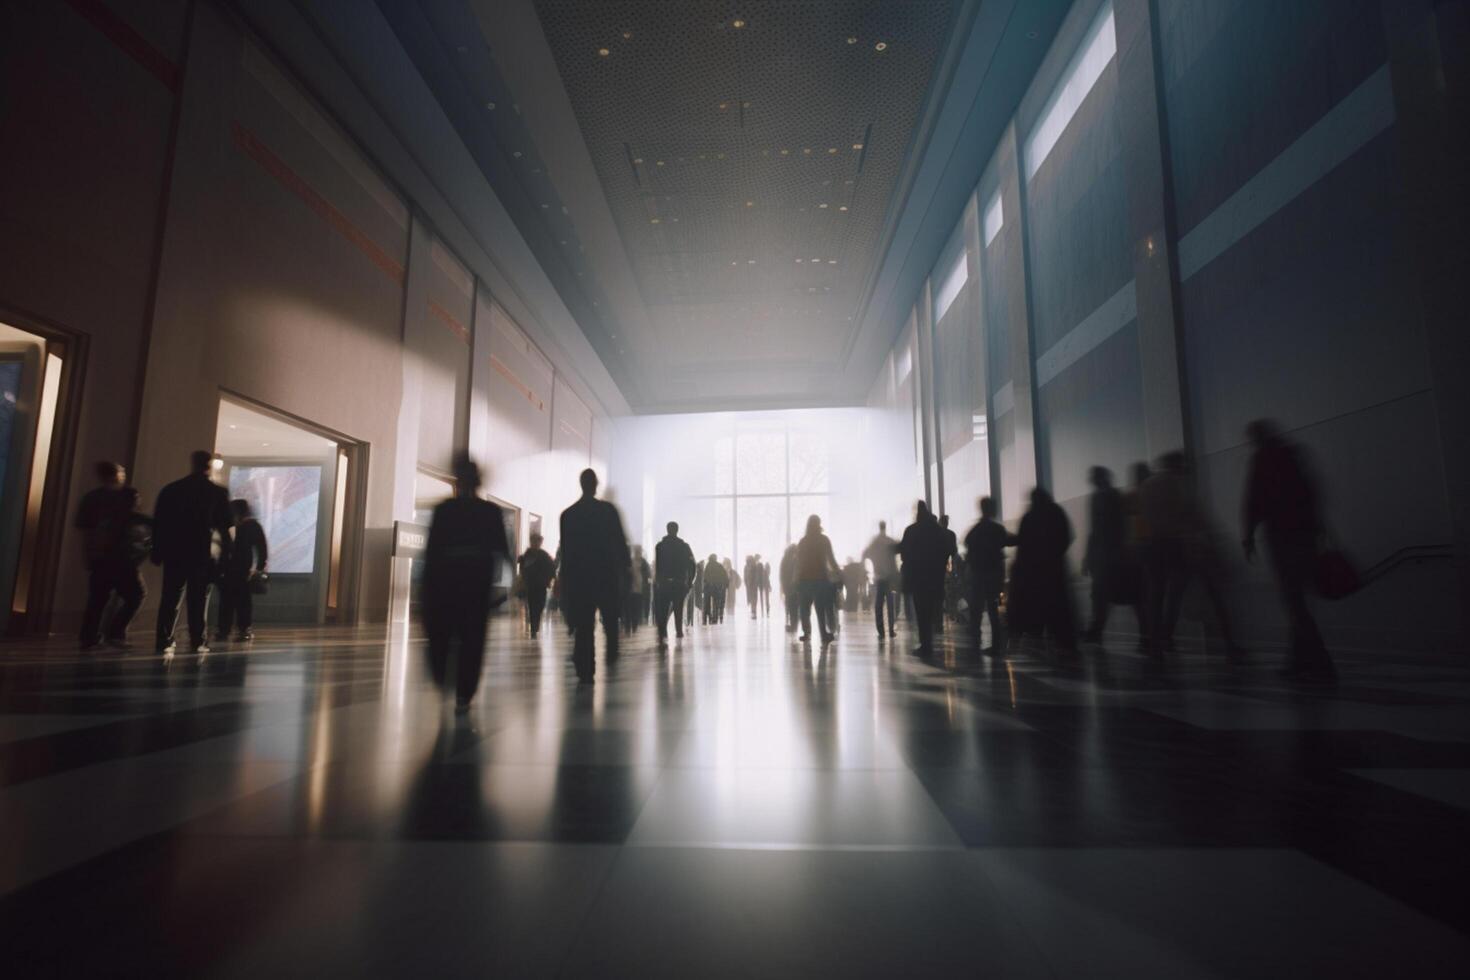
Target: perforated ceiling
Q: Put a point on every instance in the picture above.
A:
(749, 153)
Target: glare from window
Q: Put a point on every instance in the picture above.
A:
(1093, 55)
(995, 218)
(959, 274)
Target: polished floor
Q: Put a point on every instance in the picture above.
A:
(734, 806)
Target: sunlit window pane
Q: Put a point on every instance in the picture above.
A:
(761, 527)
(760, 462)
(811, 463)
(724, 465)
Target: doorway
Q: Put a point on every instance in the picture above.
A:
(35, 395)
(302, 483)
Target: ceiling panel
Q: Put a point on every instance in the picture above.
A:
(749, 154)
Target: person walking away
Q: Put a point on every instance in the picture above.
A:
(716, 581)
(1039, 600)
(462, 564)
(1103, 560)
(789, 590)
(1282, 500)
(637, 583)
(815, 567)
(673, 568)
(854, 585)
(752, 584)
(191, 533)
(537, 572)
(1179, 546)
(882, 554)
(96, 518)
(130, 541)
(924, 549)
(248, 556)
(733, 582)
(765, 588)
(985, 556)
(950, 600)
(594, 562)
(694, 605)
(1134, 580)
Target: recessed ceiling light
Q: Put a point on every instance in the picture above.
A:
(821, 205)
(724, 106)
(750, 261)
(265, 444)
(627, 35)
(832, 149)
(807, 151)
(490, 106)
(603, 52)
(816, 260)
(653, 221)
(881, 46)
(737, 24)
(637, 159)
(545, 206)
(516, 154)
(799, 260)
(659, 163)
(785, 152)
(852, 40)
(733, 262)
(857, 146)
(750, 204)
(843, 208)
(831, 261)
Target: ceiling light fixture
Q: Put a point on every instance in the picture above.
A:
(750, 204)
(843, 208)
(659, 163)
(737, 24)
(832, 149)
(490, 106)
(857, 146)
(881, 46)
(603, 52)
(653, 221)
(822, 206)
(852, 40)
(627, 35)
(637, 159)
(516, 154)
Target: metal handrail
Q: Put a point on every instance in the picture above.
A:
(1411, 553)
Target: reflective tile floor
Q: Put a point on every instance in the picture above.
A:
(733, 806)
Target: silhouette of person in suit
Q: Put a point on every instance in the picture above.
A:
(716, 582)
(673, 568)
(594, 562)
(191, 533)
(462, 565)
(104, 516)
(985, 546)
(925, 550)
(790, 594)
(537, 572)
(1282, 500)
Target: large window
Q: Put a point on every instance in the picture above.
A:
(768, 479)
(1093, 55)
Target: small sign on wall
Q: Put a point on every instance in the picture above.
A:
(409, 540)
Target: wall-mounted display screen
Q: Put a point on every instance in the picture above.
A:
(287, 502)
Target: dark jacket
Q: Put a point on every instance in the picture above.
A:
(96, 519)
(250, 552)
(594, 552)
(1038, 593)
(788, 569)
(537, 569)
(1107, 535)
(985, 553)
(814, 559)
(673, 561)
(462, 559)
(715, 576)
(924, 549)
(188, 516)
(1281, 494)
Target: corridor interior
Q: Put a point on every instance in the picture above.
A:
(735, 804)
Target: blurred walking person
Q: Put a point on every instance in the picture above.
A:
(716, 582)
(594, 563)
(537, 571)
(924, 549)
(815, 568)
(985, 546)
(100, 516)
(1282, 499)
(790, 595)
(191, 534)
(249, 554)
(882, 554)
(1105, 560)
(1040, 600)
(462, 565)
(673, 568)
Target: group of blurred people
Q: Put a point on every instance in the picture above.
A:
(1146, 545)
(202, 539)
